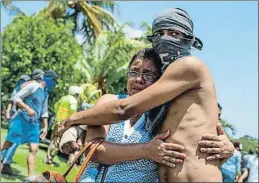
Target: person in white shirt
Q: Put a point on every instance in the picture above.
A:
(251, 171)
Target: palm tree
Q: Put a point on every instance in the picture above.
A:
(90, 93)
(106, 61)
(226, 125)
(147, 31)
(89, 17)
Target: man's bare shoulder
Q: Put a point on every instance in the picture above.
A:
(190, 65)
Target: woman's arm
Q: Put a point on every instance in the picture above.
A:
(110, 153)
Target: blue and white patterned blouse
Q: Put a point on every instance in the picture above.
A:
(143, 170)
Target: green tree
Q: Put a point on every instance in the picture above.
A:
(31, 42)
(248, 143)
(106, 61)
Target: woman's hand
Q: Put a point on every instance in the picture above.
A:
(62, 127)
(70, 147)
(218, 145)
(168, 154)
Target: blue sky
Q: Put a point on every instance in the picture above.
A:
(229, 31)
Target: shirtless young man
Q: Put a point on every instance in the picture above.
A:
(187, 83)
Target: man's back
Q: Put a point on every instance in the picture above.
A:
(65, 107)
(190, 115)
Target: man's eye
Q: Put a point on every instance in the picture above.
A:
(158, 34)
(174, 34)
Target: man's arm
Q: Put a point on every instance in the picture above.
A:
(246, 172)
(184, 74)
(45, 116)
(44, 129)
(8, 110)
(244, 175)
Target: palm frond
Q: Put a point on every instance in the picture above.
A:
(56, 9)
(227, 125)
(11, 9)
(91, 18)
(108, 4)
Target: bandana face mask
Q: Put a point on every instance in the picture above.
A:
(170, 48)
(50, 83)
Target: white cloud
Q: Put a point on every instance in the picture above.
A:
(132, 33)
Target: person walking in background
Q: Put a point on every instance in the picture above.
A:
(64, 108)
(32, 100)
(231, 169)
(245, 159)
(8, 154)
(251, 170)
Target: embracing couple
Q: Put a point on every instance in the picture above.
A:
(166, 128)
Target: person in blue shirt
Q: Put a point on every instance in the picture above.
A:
(7, 155)
(231, 169)
(32, 100)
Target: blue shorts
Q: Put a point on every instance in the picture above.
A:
(23, 129)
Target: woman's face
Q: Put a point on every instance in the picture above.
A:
(142, 74)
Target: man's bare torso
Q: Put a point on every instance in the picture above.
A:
(191, 115)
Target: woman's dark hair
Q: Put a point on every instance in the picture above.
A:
(148, 53)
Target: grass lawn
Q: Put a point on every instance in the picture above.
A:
(19, 165)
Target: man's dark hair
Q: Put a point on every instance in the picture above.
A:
(236, 143)
(219, 106)
(148, 53)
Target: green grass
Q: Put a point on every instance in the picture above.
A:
(19, 165)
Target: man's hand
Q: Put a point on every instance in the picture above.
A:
(168, 154)
(7, 115)
(70, 147)
(44, 132)
(30, 112)
(218, 145)
(240, 180)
